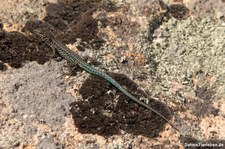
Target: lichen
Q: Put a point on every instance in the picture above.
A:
(185, 48)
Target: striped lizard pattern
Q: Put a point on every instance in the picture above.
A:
(74, 59)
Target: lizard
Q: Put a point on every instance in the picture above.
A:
(74, 59)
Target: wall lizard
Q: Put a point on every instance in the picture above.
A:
(74, 59)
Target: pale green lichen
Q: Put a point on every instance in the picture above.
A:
(184, 48)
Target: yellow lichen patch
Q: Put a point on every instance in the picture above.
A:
(10, 28)
(72, 47)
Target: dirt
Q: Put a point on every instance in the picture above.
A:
(170, 54)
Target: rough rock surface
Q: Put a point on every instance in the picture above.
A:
(169, 53)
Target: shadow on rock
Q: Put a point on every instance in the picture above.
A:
(66, 20)
(107, 111)
(16, 49)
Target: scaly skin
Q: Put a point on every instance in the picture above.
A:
(74, 59)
